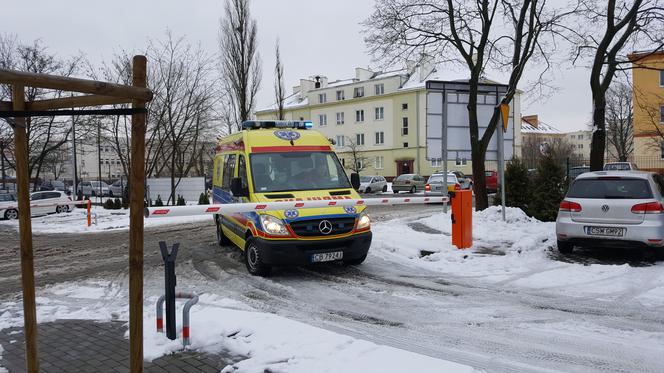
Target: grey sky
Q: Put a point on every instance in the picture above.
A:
(317, 37)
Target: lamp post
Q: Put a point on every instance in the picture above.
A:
(2, 160)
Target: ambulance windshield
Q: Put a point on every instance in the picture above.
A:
(280, 172)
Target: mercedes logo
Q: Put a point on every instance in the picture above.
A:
(605, 208)
(325, 227)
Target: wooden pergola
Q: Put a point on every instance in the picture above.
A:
(95, 94)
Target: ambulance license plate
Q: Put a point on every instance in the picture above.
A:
(327, 257)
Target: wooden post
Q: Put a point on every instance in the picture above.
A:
(25, 232)
(137, 191)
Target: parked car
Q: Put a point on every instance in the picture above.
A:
(612, 208)
(574, 172)
(56, 201)
(620, 166)
(491, 181)
(466, 181)
(91, 188)
(372, 184)
(115, 189)
(8, 206)
(435, 184)
(52, 185)
(411, 183)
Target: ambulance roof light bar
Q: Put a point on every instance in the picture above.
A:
(258, 124)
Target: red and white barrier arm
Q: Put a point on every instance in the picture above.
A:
(232, 208)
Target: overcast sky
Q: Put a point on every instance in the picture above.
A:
(318, 37)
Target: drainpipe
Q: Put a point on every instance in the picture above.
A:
(417, 131)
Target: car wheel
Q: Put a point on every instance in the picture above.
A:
(384, 188)
(356, 261)
(59, 209)
(11, 214)
(222, 240)
(368, 190)
(412, 190)
(565, 247)
(253, 259)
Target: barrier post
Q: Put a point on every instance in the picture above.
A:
(88, 206)
(169, 283)
(462, 218)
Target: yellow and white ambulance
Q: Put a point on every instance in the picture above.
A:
(271, 161)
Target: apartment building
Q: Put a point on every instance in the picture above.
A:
(580, 142)
(648, 109)
(380, 114)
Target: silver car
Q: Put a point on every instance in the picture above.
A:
(411, 183)
(8, 206)
(436, 185)
(612, 209)
(372, 184)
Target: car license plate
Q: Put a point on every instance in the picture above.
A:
(605, 231)
(327, 257)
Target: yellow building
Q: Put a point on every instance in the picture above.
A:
(648, 109)
(380, 114)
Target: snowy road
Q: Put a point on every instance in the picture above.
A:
(497, 325)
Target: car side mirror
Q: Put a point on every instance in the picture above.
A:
(237, 189)
(355, 180)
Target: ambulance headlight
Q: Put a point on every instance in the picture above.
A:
(273, 225)
(364, 221)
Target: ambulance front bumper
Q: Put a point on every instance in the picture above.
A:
(300, 252)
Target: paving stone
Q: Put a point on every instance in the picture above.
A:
(96, 347)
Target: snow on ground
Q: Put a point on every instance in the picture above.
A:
(270, 342)
(102, 220)
(515, 253)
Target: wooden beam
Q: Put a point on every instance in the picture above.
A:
(25, 233)
(5, 105)
(136, 197)
(76, 101)
(74, 85)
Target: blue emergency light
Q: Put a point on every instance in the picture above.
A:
(258, 124)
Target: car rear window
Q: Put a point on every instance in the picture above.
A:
(404, 177)
(610, 188)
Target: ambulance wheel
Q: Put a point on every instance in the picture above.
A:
(356, 261)
(222, 240)
(253, 259)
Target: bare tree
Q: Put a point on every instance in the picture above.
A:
(55, 163)
(45, 134)
(620, 122)
(182, 109)
(359, 161)
(279, 88)
(240, 63)
(623, 24)
(501, 34)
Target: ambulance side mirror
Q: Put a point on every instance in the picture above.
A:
(237, 189)
(355, 180)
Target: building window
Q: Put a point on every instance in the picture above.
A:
(359, 164)
(358, 92)
(380, 89)
(661, 149)
(359, 139)
(340, 95)
(661, 78)
(341, 141)
(404, 126)
(378, 162)
(405, 144)
(461, 161)
(661, 113)
(322, 119)
(380, 138)
(359, 115)
(380, 113)
(435, 162)
(404, 106)
(573, 137)
(580, 146)
(322, 98)
(340, 118)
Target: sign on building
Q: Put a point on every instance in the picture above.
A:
(447, 119)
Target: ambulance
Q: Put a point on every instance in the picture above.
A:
(272, 161)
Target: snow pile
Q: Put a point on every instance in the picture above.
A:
(269, 342)
(520, 251)
(76, 221)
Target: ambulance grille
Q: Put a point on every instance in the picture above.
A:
(310, 227)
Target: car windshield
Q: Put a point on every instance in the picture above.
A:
(280, 172)
(6, 197)
(439, 179)
(404, 177)
(365, 179)
(610, 188)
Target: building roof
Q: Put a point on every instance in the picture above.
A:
(532, 125)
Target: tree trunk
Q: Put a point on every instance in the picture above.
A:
(479, 180)
(599, 134)
(172, 196)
